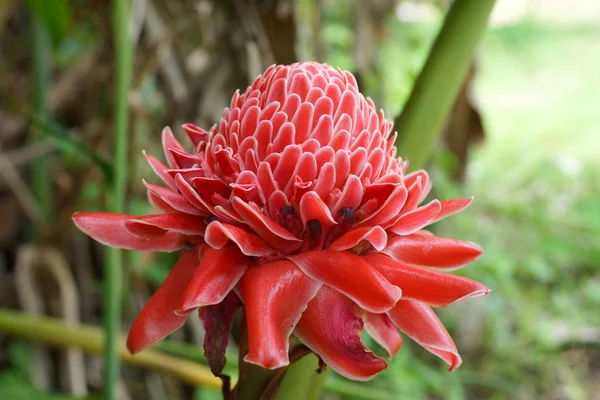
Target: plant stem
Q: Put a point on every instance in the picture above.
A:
(41, 180)
(420, 123)
(56, 332)
(114, 268)
(301, 381)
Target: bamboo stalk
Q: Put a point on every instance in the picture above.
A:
(55, 332)
(420, 123)
(114, 268)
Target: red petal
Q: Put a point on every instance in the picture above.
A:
(217, 321)
(432, 251)
(174, 222)
(109, 229)
(450, 207)
(383, 331)
(218, 234)
(206, 187)
(425, 186)
(350, 275)
(389, 209)
(157, 319)
(351, 196)
(188, 192)
(275, 295)
(218, 272)
(431, 287)
(159, 203)
(272, 233)
(417, 219)
(160, 170)
(330, 328)
(312, 207)
(173, 199)
(421, 324)
(375, 235)
(195, 133)
(414, 195)
(169, 142)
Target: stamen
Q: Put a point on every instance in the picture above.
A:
(345, 220)
(287, 217)
(346, 217)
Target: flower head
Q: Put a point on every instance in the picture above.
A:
(296, 206)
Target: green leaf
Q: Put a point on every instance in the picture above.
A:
(55, 15)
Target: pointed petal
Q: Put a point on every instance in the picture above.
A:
(173, 199)
(389, 209)
(159, 203)
(195, 133)
(217, 321)
(431, 287)
(432, 251)
(350, 275)
(330, 328)
(157, 319)
(109, 229)
(312, 207)
(425, 184)
(175, 222)
(272, 233)
(417, 219)
(160, 170)
(169, 142)
(218, 272)
(419, 322)
(450, 207)
(188, 192)
(352, 194)
(375, 235)
(218, 234)
(275, 294)
(383, 331)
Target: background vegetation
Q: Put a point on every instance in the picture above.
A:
(532, 165)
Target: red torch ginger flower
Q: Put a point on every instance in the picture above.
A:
(296, 206)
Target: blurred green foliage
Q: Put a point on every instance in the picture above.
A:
(536, 181)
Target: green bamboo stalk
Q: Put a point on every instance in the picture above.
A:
(40, 179)
(56, 332)
(180, 359)
(420, 123)
(114, 266)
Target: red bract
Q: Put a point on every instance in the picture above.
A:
(296, 204)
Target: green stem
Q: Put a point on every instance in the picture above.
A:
(41, 180)
(55, 332)
(420, 123)
(180, 359)
(114, 267)
(301, 381)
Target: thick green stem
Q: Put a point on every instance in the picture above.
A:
(41, 180)
(114, 266)
(183, 360)
(420, 123)
(301, 381)
(55, 332)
